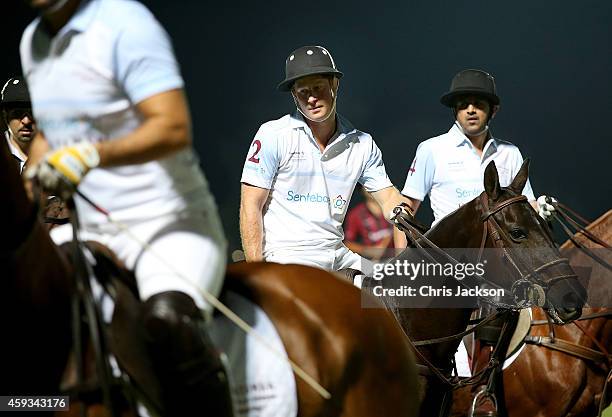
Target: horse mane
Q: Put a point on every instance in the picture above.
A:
(506, 193)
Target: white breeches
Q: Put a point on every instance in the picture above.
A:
(328, 259)
(186, 252)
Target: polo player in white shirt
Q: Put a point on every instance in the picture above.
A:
(108, 96)
(301, 170)
(450, 167)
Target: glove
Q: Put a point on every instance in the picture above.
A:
(546, 209)
(62, 170)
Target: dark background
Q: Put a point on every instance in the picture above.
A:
(552, 62)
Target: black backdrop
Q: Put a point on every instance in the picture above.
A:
(552, 62)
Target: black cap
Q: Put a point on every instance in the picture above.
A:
(474, 82)
(307, 60)
(15, 93)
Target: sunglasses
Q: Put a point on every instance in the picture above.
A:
(463, 103)
(19, 113)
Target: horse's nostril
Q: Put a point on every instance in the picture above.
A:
(571, 301)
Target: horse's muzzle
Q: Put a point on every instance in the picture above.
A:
(567, 299)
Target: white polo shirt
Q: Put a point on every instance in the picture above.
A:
(85, 83)
(17, 153)
(449, 169)
(310, 189)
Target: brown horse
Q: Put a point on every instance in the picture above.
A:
(358, 355)
(547, 382)
(34, 295)
(501, 219)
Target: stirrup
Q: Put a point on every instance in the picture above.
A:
(484, 393)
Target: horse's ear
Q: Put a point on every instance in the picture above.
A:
(519, 181)
(491, 181)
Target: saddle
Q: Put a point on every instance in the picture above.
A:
(491, 332)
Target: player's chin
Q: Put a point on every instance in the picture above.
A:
(475, 129)
(319, 115)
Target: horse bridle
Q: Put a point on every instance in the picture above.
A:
(492, 228)
(527, 281)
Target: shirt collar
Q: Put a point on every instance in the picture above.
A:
(15, 150)
(343, 126)
(459, 139)
(84, 15)
(80, 20)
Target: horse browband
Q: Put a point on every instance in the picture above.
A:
(489, 212)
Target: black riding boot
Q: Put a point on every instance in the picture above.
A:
(191, 374)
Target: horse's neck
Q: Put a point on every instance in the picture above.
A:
(460, 229)
(15, 207)
(432, 323)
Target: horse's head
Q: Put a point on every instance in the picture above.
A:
(518, 233)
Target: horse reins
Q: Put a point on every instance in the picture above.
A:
(574, 349)
(562, 215)
(563, 211)
(601, 356)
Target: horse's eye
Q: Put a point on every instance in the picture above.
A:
(518, 234)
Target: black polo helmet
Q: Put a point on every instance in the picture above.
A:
(471, 82)
(307, 60)
(15, 93)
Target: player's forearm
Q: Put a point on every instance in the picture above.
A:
(388, 198)
(394, 200)
(156, 138)
(355, 247)
(370, 252)
(399, 239)
(251, 233)
(165, 129)
(38, 149)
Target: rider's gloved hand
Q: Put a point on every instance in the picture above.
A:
(62, 170)
(546, 209)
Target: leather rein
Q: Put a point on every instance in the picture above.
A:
(552, 342)
(596, 356)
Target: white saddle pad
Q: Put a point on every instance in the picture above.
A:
(517, 343)
(262, 384)
(515, 347)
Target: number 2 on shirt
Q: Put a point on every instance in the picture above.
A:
(257, 145)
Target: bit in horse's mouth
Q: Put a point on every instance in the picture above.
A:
(552, 312)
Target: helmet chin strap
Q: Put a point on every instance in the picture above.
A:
(57, 6)
(297, 104)
(10, 131)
